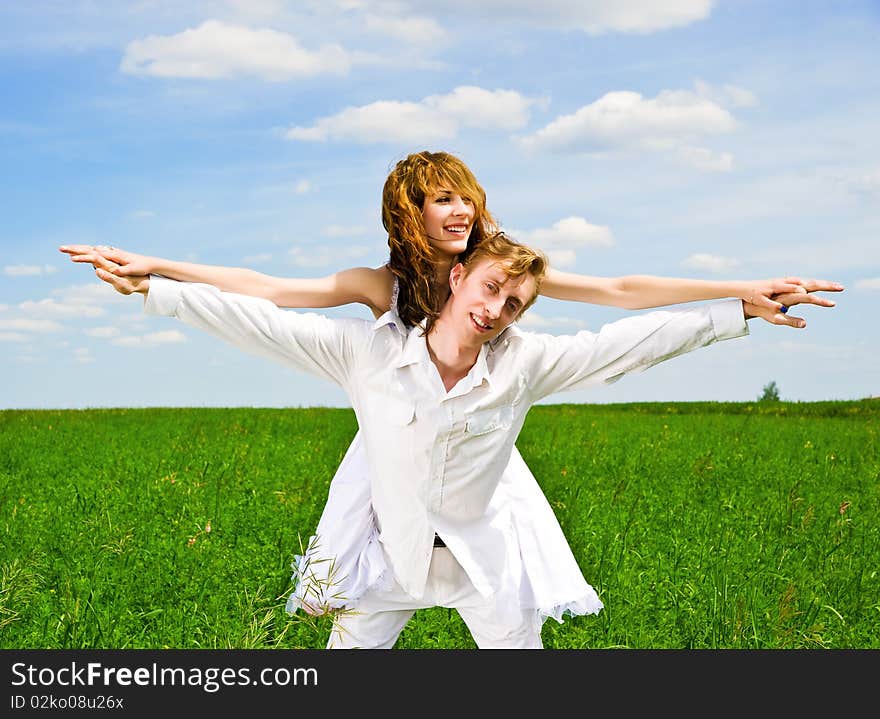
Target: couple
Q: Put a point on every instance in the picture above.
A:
(443, 510)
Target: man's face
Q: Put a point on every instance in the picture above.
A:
(485, 300)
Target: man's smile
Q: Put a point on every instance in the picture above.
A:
(482, 325)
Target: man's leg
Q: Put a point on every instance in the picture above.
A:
(380, 615)
(491, 625)
(491, 632)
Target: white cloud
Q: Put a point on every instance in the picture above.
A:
(321, 257)
(257, 9)
(165, 337)
(871, 284)
(419, 21)
(141, 214)
(710, 263)
(561, 258)
(633, 16)
(83, 355)
(865, 185)
(154, 339)
(705, 160)
(12, 337)
(26, 325)
(3, 308)
(626, 120)
(563, 238)
(343, 230)
(415, 30)
(28, 270)
(217, 50)
(50, 308)
(729, 95)
(102, 332)
(302, 187)
(434, 118)
(476, 107)
(91, 294)
(572, 232)
(591, 16)
(383, 121)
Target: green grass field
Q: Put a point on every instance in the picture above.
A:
(702, 525)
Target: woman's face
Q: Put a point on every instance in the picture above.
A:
(448, 218)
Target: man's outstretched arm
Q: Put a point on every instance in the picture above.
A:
(310, 342)
(634, 344)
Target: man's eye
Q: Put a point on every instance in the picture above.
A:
(490, 287)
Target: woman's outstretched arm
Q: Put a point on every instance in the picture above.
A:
(636, 292)
(364, 285)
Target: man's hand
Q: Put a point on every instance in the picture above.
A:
(125, 285)
(112, 259)
(804, 296)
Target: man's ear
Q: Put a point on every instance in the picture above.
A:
(456, 274)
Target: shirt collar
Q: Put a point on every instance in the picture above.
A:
(510, 332)
(480, 371)
(415, 351)
(415, 347)
(390, 318)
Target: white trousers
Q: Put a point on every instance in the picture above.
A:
(379, 616)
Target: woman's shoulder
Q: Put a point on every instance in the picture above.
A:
(380, 288)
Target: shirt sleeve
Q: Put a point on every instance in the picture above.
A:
(310, 342)
(570, 362)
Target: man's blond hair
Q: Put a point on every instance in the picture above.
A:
(514, 258)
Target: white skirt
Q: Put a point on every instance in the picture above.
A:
(344, 557)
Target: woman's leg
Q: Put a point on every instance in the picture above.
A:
(344, 557)
(368, 630)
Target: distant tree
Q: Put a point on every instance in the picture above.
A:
(770, 393)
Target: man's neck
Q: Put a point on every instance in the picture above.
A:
(450, 356)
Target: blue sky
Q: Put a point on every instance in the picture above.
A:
(728, 139)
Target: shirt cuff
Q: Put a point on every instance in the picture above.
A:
(163, 296)
(728, 319)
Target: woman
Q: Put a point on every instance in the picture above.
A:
(434, 211)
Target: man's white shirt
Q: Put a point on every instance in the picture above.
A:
(435, 457)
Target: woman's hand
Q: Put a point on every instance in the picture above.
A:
(777, 314)
(124, 264)
(761, 293)
(104, 260)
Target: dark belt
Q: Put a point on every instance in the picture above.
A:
(438, 542)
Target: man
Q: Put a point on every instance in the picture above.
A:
(440, 409)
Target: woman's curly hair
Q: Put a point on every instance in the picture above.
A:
(413, 260)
